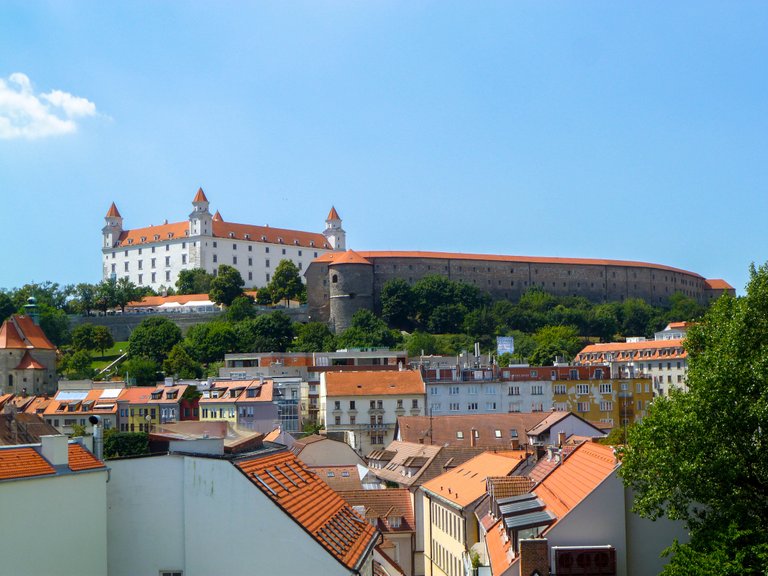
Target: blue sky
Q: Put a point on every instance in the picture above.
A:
(633, 131)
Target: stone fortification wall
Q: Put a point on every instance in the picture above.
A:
(121, 325)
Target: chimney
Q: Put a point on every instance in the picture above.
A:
(55, 449)
(473, 438)
(534, 556)
(561, 439)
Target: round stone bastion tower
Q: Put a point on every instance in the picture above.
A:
(350, 283)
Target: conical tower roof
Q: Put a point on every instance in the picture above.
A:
(113, 212)
(349, 257)
(217, 217)
(333, 215)
(200, 196)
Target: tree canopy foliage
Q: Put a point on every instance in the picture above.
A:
(286, 283)
(194, 281)
(226, 286)
(367, 331)
(700, 456)
(154, 338)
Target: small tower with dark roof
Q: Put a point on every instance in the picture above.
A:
(334, 233)
(200, 220)
(113, 227)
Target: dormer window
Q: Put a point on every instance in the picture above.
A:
(157, 236)
(325, 245)
(263, 238)
(231, 234)
(130, 240)
(247, 236)
(395, 521)
(170, 234)
(312, 243)
(295, 242)
(157, 395)
(279, 240)
(143, 238)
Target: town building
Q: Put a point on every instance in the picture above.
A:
(154, 255)
(663, 360)
(142, 407)
(494, 431)
(364, 406)
(340, 283)
(27, 358)
(54, 501)
(348, 478)
(318, 450)
(199, 510)
(391, 512)
(576, 518)
(451, 527)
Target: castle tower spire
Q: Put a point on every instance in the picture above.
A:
(113, 226)
(334, 233)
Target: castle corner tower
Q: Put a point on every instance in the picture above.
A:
(333, 232)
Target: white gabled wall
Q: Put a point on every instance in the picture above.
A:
(207, 518)
(54, 525)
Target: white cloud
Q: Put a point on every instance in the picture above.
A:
(24, 114)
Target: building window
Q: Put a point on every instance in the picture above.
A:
(337, 420)
(234, 259)
(337, 404)
(414, 403)
(400, 404)
(490, 406)
(582, 406)
(606, 406)
(459, 434)
(559, 389)
(514, 391)
(453, 390)
(472, 406)
(606, 388)
(141, 278)
(582, 389)
(183, 258)
(453, 406)
(215, 258)
(537, 390)
(351, 404)
(167, 275)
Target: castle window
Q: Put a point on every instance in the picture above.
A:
(263, 238)
(215, 258)
(247, 236)
(234, 246)
(167, 247)
(234, 259)
(231, 234)
(170, 234)
(130, 240)
(283, 250)
(250, 275)
(266, 263)
(295, 242)
(299, 252)
(143, 238)
(183, 245)
(312, 243)
(315, 254)
(214, 244)
(279, 240)
(266, 250)
(334, 278)
(250, 248)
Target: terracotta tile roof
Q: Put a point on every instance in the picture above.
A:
(467, 482)
(28, 430)
(23, 463)
(718, 284)
(577, 476)
(382, 504)
(455, 430)
(38, 405)
(22, 332)
(82, 459)
(349, 257)
(217, 217)
(147, 234)
(502, 258)
(542, 469)
(339, 478)
(97, 401)
(200, 196)
(333, 215)
(136, 394)
(223, 229)
(263, 392)
(499, 547)
(21, 402)
(653, 350)
(373, 383)
(312, 504)
(29, 363)
(113, 212)
(506, 486)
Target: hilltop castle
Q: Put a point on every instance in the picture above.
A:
(153, 256)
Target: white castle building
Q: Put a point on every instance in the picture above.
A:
(154, 256)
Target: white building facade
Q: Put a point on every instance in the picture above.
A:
(153, 256)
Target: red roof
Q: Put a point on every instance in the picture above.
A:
(113, 212)
(312, 504)
(82, 459)
(349, 257)
(223, 229)
(147, 234)
(217, 217)
(718, 284)
(23, 463)
(29, 363)
(333, 215)
(200, 196)
(22, 332)
(500, 258)
(374, 383)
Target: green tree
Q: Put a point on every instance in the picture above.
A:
(420, 343)
(604, 321)
(286, 283)
(78, 430)
(263, 296)
(181, 364)
(195, 281)
(83, 337)
(683, 308)
(367, 331)
(397, 304)
(210, 341)
(554, 341)
(226, 286)
(446, 318)
(85, 298)
(55, 323)
(636, 317)
(266, 333)
(241, 309)
(700, 456)
(106, 295)
(102, 338)
(142, 371)
(6, 306)
(153, 339)
(122, 444)
(313, 337)
(481, 325)
(125, 292)
(77, 365)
